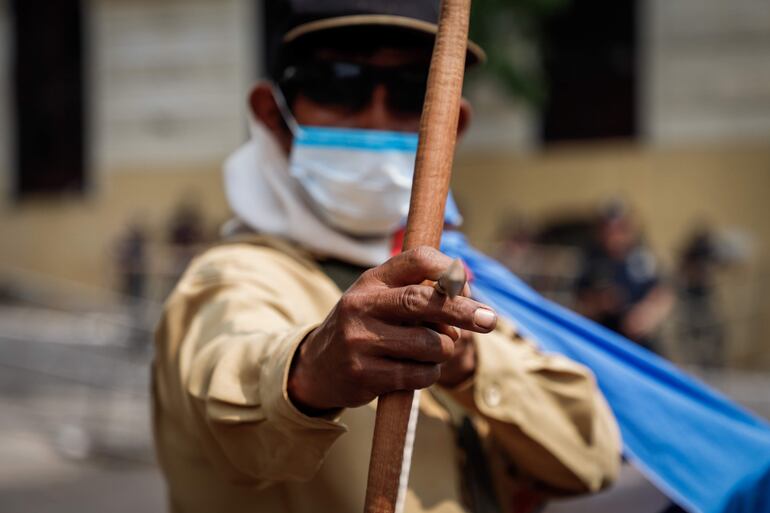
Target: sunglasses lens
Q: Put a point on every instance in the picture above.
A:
(336, 84)
(350, 85)
(406, 90)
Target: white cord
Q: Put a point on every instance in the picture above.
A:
(406, 462)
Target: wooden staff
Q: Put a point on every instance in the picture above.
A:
(391, 451)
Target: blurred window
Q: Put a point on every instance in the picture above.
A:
(48, 85)
(590, 57)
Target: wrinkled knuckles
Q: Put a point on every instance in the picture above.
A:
(412, 299)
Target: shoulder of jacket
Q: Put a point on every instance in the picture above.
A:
(239, 261)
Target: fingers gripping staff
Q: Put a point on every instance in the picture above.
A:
(397, 411)
(389, 331)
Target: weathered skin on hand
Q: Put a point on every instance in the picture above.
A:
(388, 332)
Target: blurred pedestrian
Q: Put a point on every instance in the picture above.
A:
(701, 323)
(620, 285)
(185, 235)
(133, 270)
(131, 260)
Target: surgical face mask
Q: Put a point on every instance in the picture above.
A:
(358, 181)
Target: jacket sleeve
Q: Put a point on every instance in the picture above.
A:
(225, 345)
(546, 413)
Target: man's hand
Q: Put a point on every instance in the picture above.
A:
(388, 332)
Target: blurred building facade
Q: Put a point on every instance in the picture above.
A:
(164, 86)
(165, 83)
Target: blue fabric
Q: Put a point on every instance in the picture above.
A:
(704, 451)
(356, 138)
(452, 215)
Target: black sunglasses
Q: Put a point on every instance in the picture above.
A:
(350, 85)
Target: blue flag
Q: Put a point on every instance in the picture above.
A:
(706, 453)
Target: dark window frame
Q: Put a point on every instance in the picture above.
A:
(48, 91)
(592, 62)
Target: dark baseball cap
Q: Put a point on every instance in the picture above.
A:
(306, 18)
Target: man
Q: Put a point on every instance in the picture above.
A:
(266, 370)
(620, 286)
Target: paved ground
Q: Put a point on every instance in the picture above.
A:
(36, 477)
(49, 484)
(74, 432)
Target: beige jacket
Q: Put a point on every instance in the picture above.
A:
(229, 439)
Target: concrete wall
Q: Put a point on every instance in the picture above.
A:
(707, 70)
(167, 79)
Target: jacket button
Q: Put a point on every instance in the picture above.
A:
(492, 396)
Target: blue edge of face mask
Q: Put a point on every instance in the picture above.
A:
(705, 452)
(356, 139)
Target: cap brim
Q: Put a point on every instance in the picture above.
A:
(475, 53)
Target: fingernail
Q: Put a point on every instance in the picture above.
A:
(484, 318)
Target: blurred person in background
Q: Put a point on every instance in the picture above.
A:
(185, 235)
(131, 260)
(620, 285)
(701, 327)
(274, 344)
